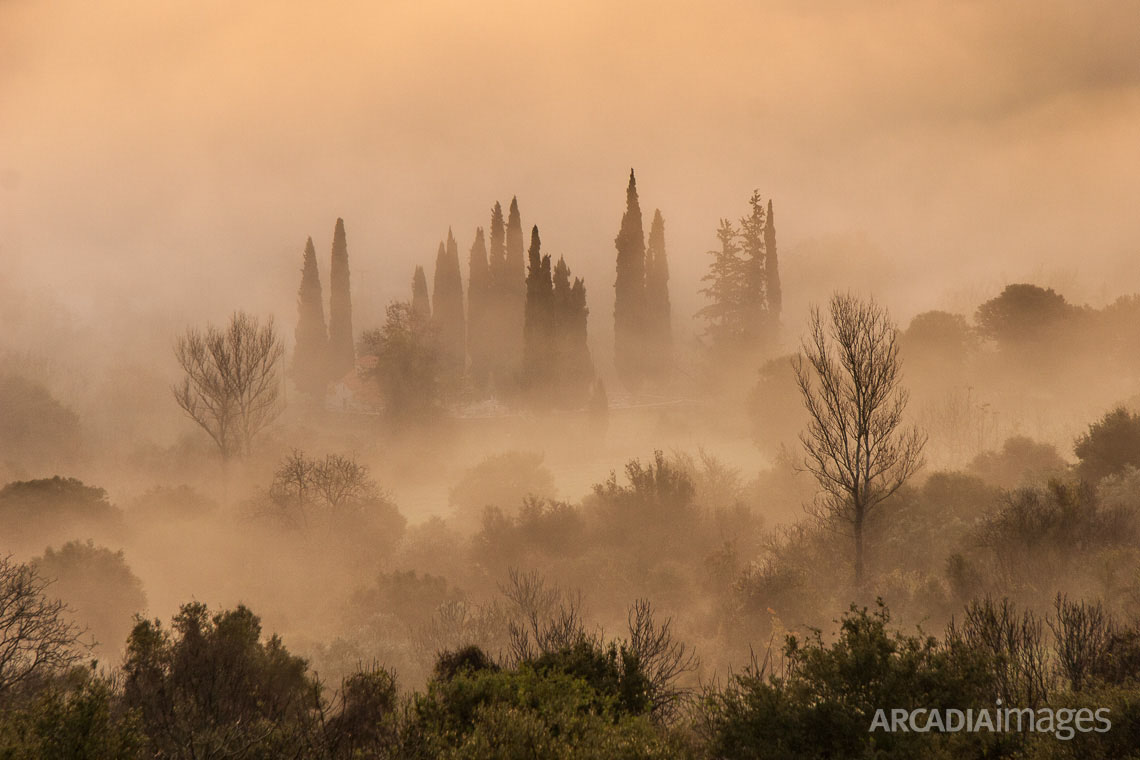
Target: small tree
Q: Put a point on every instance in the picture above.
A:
(855, 445)
(232, 386)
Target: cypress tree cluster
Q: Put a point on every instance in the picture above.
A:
(557, 369)
(447, 307)
(743, 288)
(642, 329)
(322, 355)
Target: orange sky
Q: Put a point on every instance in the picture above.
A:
(149, 148)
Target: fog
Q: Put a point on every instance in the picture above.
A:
(162, 165)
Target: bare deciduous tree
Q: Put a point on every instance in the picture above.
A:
(35, 635)
(663, 659)
(332, 487)
(855, 445)
(232, 386)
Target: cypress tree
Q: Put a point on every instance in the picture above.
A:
(772, 274)
(629, 296)
(659, 330)
(421, 304)
(310, 367)
(447, 306)
(538, 322)
(480, 340)
(572, 364)
(514, 287)
(342, 352)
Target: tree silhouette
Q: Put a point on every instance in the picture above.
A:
(342, 352)
(480, 304)
(538, 326)
(629, 287)
(849, 377)
(658, 327)
(447, 307)
(421, 304)
(310, 356)
(232, 385)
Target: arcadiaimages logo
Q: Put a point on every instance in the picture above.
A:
(1063, 723)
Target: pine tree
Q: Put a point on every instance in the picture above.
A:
(658, 327)
(772, 275)
(480, 339)
(573, 368)
(724, 313)
(755, 280)
(447, 306)
(538, 324)
(342, 352)
(421, 303)
(629, 296)
(310, 367)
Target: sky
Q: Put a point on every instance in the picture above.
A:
(163, 163)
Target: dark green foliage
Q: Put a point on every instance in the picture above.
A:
(468, 659)
(368, 719)
(310, 366)
(408, 366)
(481, 336)
(35, 429)
(342, 352)
(76, 716)
(1111, 444)
(629, 292)
(821, 703)
(447, 307)
(211, 683)
(658, 313)
(421, 303)
(98, 586)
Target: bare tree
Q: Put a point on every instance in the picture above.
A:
(662, 658)
(855, 445)
(232, 385)
(327, 488)
(35, 635)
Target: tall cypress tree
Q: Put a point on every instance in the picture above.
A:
(772, 275)
(573, 367)
(629, 287)
(480, 294)
(342, 352)
(658, 328)
(421, 304)
(538, 322)
(310, 366)
(447, 306)
(514, 287)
